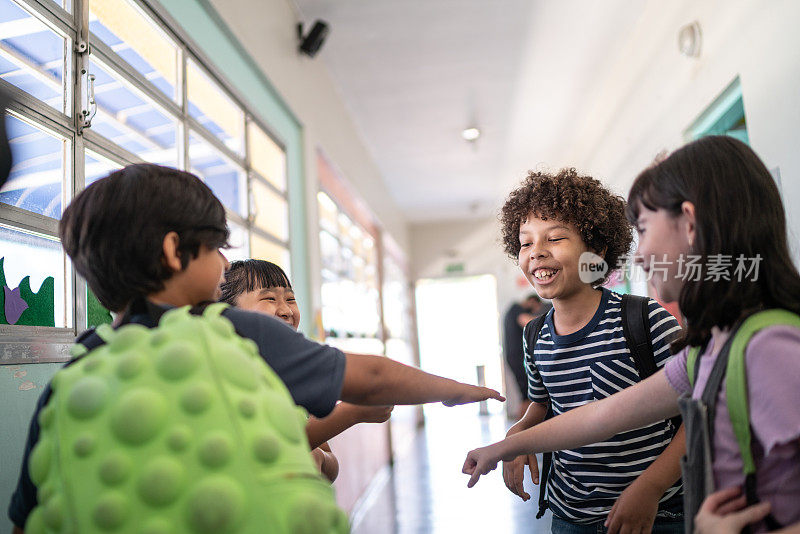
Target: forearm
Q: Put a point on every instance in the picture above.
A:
(666, 469)
(321, 430)
(634, 407)
(533, 416)
(374, 380)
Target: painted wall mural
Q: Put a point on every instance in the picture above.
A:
(21, 306)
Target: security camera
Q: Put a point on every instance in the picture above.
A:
(312, 42)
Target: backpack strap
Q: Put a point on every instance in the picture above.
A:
(736, 379)
(531, 335)
(636, 328)
(736, 392)
(692, 363)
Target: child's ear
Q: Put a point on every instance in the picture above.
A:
(169, 252)
(690, 222)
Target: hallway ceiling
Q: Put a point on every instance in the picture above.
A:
(540, 78)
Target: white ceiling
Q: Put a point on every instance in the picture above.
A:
(540, 78)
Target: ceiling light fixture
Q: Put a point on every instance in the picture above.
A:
(471, 133)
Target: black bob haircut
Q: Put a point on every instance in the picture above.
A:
(114, 229)
(249, 275)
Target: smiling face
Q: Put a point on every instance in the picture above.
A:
(664, 241)
(549, 257)
(276, 301)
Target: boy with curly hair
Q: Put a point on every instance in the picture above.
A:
(552, 224)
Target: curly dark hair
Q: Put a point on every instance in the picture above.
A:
(582, 201)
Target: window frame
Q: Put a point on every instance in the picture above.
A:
(36, 344)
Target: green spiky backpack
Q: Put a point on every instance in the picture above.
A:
(176, 429)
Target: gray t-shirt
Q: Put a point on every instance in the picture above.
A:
(312, 372)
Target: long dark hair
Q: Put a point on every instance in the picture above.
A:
(738, 212)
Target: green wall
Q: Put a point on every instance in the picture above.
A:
(20, 387)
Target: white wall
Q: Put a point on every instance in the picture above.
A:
(647, 98)
(270, 37)
(659, 93)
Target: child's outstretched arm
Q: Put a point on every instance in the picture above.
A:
(645, 403)
(379, 380)
(341, 418)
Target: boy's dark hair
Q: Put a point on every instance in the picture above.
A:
(114, 229)
(597, 214)
(249, 275)
(738, 211)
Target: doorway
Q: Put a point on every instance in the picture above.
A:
(458, 328)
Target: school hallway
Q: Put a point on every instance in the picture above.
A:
(426, 493)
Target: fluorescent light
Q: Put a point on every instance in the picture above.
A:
(471, 134)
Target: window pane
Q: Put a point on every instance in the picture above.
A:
(264, 249)
(32, 56)
(96, 167)
(64, 4)
(209, 104)
(37, 180)
(137, 39)
(33, 275)
(328, 213)
(266, 157)
(240, 248)
(225, 178)
(271, 211)
(131, 120)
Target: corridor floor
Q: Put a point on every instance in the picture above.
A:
(426, 493)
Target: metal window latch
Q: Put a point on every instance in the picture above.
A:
(88, 103)
(85, 80)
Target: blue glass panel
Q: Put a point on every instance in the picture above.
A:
(131, 120)
(98, 167)
(36, 180)
(224, 178)
(31, 56)
(128, 50)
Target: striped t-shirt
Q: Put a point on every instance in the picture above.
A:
(587, 365)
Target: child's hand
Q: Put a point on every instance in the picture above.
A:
(514, 474)
(724, 512)
(635, 509)
(481, 461)
(473, 394)
(368, 414)
(318, 455)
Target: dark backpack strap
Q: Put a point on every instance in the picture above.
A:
(636, 328)
(531, 333)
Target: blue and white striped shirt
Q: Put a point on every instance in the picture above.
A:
(588, 365)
